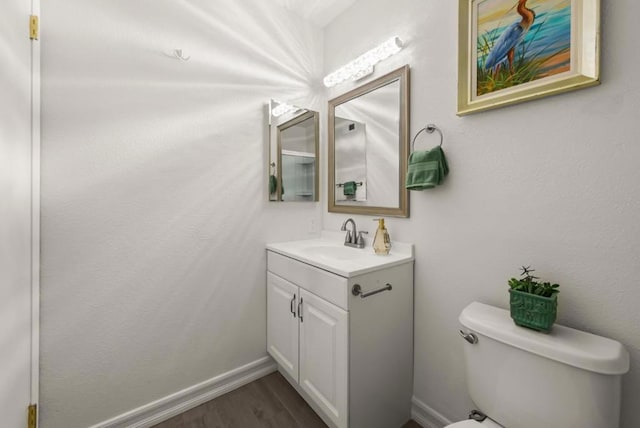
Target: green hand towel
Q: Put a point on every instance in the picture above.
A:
(349, 188)
(427, 169)
(273, 185)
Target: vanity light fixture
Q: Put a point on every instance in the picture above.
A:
(282, 108)
(363, 65)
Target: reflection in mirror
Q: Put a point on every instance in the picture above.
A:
(368, 148)
(351, 160)
(293, 152)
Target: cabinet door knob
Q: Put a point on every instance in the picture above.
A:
(300, 310)
(292, 307)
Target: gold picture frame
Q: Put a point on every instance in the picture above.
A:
(510, 51)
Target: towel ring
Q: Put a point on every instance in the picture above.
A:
(429, 128)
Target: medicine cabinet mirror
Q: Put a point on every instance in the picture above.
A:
(293, 153)
(369, 148)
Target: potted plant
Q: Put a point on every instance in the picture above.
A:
(533, 303)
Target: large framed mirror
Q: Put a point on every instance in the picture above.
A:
(294, 140)
(369, 148)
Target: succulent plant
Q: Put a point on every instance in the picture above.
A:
(528, 283)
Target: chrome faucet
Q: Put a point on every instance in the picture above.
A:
(353, 238)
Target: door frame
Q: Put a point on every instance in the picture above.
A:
(35, 210)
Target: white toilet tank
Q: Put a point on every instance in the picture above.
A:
(524, 379)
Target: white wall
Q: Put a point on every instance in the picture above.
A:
(552, 183)
(16, 233)
(155, 210)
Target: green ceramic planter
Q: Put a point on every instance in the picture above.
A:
(536, 312)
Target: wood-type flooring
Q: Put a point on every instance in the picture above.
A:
(269, 402)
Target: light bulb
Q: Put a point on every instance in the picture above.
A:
(363, 65)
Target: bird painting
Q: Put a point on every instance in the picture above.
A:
(505, 46)
(519, 41)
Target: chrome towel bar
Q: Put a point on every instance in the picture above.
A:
(358, 184)
(357, 290)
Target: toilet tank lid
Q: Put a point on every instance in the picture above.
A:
(566, 345)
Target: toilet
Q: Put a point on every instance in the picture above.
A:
(520, 378)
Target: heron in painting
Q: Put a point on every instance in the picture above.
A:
(505, 46)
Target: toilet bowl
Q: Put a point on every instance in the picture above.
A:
(564, 373)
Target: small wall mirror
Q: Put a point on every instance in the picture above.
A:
(369, 147)
(294, 136)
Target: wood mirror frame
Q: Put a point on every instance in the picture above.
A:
(402, 210)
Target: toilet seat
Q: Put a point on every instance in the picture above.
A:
(470, 423)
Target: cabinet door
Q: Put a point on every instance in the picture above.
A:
(282, 323)
(324, 355)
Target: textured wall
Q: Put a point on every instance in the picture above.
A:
(16, 233)
(154, 214)
(552, 183)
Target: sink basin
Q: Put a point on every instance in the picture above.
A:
(334, 252)
(329, 253)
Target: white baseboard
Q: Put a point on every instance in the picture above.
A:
(181, 401)
(426, 416)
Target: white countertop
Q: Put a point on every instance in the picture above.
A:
(329, 253)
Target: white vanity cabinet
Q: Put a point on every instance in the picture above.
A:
(307, 336)
(282, 323)
(350, 357)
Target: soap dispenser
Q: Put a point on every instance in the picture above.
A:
(382, 241)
